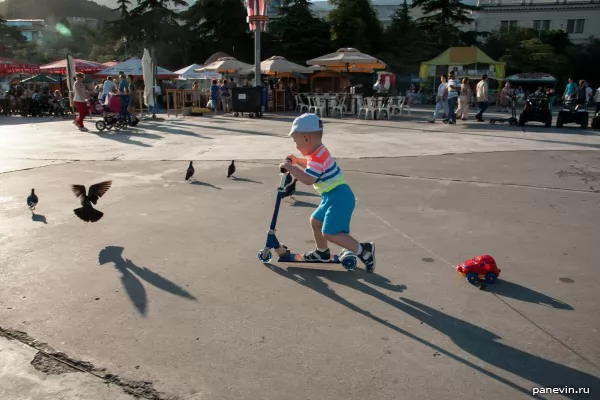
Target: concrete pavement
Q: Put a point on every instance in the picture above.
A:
(167, 289)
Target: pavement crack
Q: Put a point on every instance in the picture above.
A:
(505, 184)
(49, 361)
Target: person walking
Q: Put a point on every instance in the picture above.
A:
(80, 101)
(441, 99)
(597, 100)
(463, 100)
(453, 91)
(482, 97)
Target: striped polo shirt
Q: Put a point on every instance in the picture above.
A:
(322, 166)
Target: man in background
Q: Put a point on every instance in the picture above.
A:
(482, 97)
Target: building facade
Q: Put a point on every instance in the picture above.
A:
(31, 29)
(579, 18)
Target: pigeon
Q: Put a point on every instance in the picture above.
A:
(289, 188)
(231, 169)
(32, 200)
(87, 212)
(190, 171)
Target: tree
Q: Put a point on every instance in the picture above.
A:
(218, 25)
(405, 45)
(532, 55)
(354, 23)
(548, 50)
(443, 18)
(11, 40)
(291, 38)
(123, 8)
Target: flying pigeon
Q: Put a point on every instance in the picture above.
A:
(32, 200)
(231, 169)
(87, 212)
(190, 171)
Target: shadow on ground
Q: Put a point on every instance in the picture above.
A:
(38, 218)
(473, 339)
(133, 286)
(200, 183)
(515, 291)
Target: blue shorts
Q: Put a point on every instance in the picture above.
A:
(335, 210)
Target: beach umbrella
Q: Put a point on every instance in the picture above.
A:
(531, 77)
(60, 67)
(133, 66)
(189, 73)
(41, 78)
(12, 66)
(225, 65)
(347, 58)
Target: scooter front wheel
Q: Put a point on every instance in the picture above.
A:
(265, 255)
(349, 262)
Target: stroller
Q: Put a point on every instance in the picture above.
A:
(115, 114)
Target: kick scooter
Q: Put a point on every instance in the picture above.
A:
(347, 260)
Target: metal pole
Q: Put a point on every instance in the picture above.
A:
(153, 56)
(257, 80)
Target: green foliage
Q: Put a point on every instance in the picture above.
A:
(218, 25)
(290, 37)
(354, 23)
(55, 10)
(442, 19)
(405, 43)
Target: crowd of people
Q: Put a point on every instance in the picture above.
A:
(453, 97)
(31, 101)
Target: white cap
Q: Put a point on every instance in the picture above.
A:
(306, 123)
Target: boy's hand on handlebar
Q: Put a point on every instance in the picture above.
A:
(292, 159)
(285, 166)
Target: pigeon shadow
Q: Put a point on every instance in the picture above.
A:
(515, 291)
(130, 274)
(200, 183)
(300, 203)
(245, 180)
(38, 218)
(478, 342)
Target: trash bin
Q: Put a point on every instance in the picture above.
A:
(247, 100)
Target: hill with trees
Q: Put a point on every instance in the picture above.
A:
(55, 9)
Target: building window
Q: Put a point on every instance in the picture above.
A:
(508, 25)
(575, 25)
(541, 25)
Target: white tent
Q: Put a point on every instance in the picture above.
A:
(188, 73)
(133, 67)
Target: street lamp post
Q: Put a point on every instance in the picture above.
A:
(257, 19)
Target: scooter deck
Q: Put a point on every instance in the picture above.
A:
(299, 258)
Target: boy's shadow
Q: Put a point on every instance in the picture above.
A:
(38, 218)
(473, 339)
(133, 286)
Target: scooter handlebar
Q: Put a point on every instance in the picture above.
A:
(283, 170)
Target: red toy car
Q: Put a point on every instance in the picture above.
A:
(481, 267)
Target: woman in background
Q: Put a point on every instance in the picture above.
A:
(463, 100)
(79, 100)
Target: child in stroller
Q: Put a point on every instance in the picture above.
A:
(114, 115)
